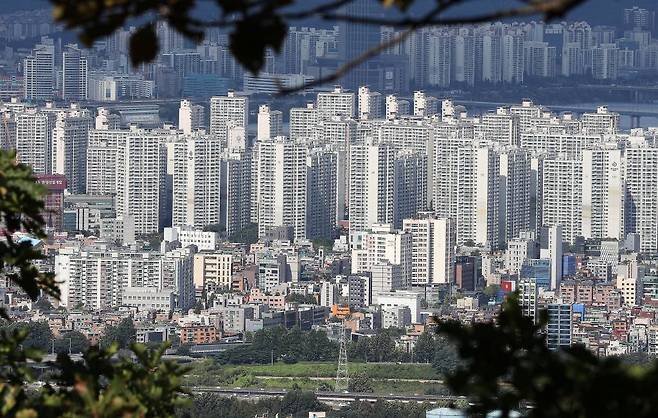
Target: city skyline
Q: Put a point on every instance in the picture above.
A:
(347, 242)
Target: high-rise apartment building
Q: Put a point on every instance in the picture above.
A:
(235, 191)
(74, 73)
(140, 184)
(514, 195)
(39, 72)
(34, 141)
(382, 243)
(603, 194)
(196, 181)
(281, 186)
(226, 109)
(337, 102)
(303, 121)
(559, 327)
(641, 198)
(269, 123)
(70, 138)
(321, 193)
(478, 196)
(386, 186)
(102, 151)
(562, 194)
(433, 249)
(190, 117)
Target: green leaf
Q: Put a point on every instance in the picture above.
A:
(253, 35)
(144, 45)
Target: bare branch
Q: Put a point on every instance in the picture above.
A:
(316, 11)
(550, 9)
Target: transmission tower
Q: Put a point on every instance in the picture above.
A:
(342, 376)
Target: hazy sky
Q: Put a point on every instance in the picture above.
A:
(595, 11)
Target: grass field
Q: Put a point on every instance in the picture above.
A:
(374, 370)
(312, 375)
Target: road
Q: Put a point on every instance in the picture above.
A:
(326, 396)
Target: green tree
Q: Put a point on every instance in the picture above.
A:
(247, 235)
(381, 347)
(491, 290)
(360, 383)
(425, 347)
(75, 340)
(445, 358)
(302, 299)
(99, 386)
(300, 403)
(39, 336)
(508, 366)
(123, 334)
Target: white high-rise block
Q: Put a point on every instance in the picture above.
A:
(281, 183)
(562, 200)
(141, 168)
(269, 123)
(225, 109)
(603, 194)
(196, 181)
(190, 117)
(433, 249)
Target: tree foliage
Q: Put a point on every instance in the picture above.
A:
(508, 366)
(360, 383)
(123, 334)
(73, 340)
(278, 344)
(247, 235)
(295, 403)
(301, 299)
(98, 386)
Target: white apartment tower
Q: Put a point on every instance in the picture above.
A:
(102, 151)
(562, 196)
(281, 186)
(33, 141)
(190, 117)
(512, 58)
(225, 109)
(269, 123)
(196, 181)
(433, 243)
(337, 102)
(70, 138)
(303, 121)
(369, 103)
(141, 168)
(641, 200)
(382, 243)
(321, 193)
(515, 174)
(439, 59)
(386, 186)
(603, 121)
(603, 194)
(235, 193)
(478, 196)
